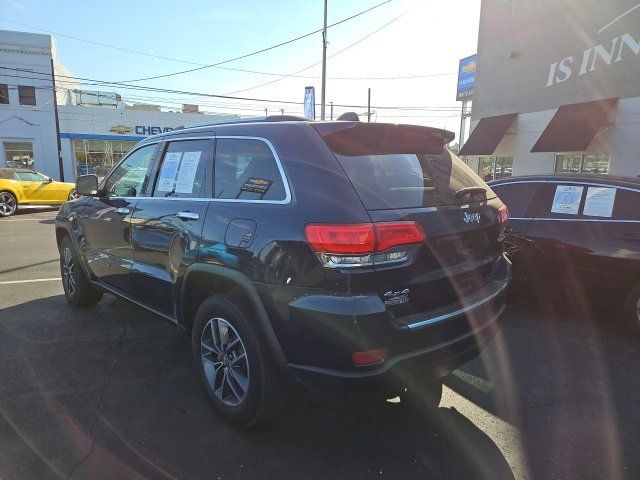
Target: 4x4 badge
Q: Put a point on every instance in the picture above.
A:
(397, 297)
(471, 217)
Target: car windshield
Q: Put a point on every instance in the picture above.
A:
(30, 176)
(410, 180)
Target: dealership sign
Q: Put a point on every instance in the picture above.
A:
(145, 130)
(539, 55)
(592, 58)
(466, 78)
(151, 130)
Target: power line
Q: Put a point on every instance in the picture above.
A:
(95, 82)
(332, 55)
(232, 69)
(266, 49)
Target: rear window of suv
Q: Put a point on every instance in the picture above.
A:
(403, 180)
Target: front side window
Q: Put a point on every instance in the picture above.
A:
(129, 178)
(18, 155)
(582, 163)
(185, 171)
(26, 95)
(246, 169)
(30, 177)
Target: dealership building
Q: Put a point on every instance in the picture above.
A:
(557, 88)
(95, 128)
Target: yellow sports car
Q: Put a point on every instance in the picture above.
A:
(26, 187)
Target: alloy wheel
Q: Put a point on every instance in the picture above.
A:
(224, 360)
(69, 274)
(7, 204)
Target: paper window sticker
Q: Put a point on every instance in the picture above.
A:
(168, 171)
(567, 199)
(187, 173)
(599, 201)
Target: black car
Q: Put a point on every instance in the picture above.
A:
(575, 238)
(340, 256)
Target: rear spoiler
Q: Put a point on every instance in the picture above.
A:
(356, 138)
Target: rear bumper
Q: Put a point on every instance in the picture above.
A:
(439, 359)
(437, 344)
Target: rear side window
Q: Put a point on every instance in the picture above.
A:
(246, 169)
(517, 197)
(185, 171)
(409, 180)
(627, 205)
(559, 200)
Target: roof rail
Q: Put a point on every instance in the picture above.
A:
(270, 118)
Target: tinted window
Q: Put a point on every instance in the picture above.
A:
(186, 170)
(626, 205)
(409, 180)
(128, 179)
(30, 177)
(26, 95)
(246, 169)
(559, 200)
(517, 196)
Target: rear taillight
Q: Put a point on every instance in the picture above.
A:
(362, 244)
(503, 214)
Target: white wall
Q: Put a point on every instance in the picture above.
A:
(621, 139)
(28, 51)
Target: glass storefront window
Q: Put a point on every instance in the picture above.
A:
(98, 156)
(495, 167)
(18, 155)
(582, 163)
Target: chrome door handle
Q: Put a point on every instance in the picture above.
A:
(123, 211)
(188, 215)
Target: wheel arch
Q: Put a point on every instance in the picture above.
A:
(203, 280)
(17, 196)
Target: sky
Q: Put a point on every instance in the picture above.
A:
(400, 38)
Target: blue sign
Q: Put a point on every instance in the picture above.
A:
(151, 130)
(466, 78)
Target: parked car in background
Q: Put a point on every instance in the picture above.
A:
(28, 187)
(576, 238)
(338, 256)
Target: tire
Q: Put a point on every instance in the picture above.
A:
(631, 310)
(8, 204)
(78, 290)
(424, 393)
(73, 195)
(234, 363)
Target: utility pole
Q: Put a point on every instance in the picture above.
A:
(369, 105)
(266, 112)
(331, 110)
(55, 111)
(324, 62)
(464, 113)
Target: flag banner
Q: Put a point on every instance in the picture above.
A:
(310, 102)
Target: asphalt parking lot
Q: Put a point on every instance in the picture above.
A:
(109, 392)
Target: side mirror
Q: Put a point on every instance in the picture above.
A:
(49, 180)
(87, 185)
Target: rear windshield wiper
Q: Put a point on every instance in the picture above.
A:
(471, 191)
